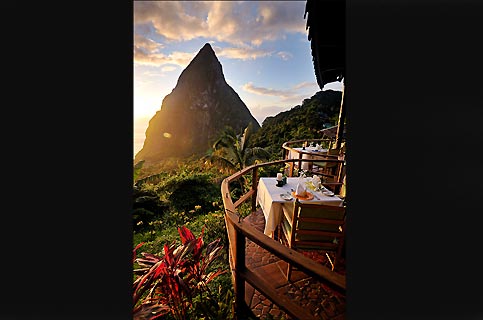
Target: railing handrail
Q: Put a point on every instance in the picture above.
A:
(305, 140)
(238, 231)
(286, 147)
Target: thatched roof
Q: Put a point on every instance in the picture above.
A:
(326, 33)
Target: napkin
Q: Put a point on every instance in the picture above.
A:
(300, 190)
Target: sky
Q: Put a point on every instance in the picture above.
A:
(262, 46)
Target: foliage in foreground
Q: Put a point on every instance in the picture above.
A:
(175, 284)
(190, 190)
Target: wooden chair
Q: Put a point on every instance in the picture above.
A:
(329, 168)
(332, 172)
(317, 227)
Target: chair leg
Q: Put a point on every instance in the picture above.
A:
(289, 272)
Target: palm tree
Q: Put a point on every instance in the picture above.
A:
(232, 151)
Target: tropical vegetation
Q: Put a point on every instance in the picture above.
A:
(175, 199)
(175, 283)
(233, 151)
(301, 122)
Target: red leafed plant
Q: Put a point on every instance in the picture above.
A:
(167, 283)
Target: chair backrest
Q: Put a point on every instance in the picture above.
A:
(333, 152)
(314, 226)
(333, 167)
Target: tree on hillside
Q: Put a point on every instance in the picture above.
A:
(231, 151)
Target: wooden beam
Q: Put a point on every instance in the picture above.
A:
(244, 197)
(340, 124)
(254, 188)
(240, 267)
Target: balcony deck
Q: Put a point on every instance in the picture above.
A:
(309, 293)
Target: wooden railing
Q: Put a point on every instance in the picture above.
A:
(333, 179)
(239, 230)
(288, 146)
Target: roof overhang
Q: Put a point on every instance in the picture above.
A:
(326, 33)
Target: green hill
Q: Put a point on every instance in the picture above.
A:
(301, 122)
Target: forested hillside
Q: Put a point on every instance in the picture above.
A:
(301, 122)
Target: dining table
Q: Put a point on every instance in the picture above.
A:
(274, 199)
(307, 153)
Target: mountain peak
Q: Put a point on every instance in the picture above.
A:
(207, 54)
(194, 114)
(204, 68)
(207, 47)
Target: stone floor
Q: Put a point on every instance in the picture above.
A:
(311, 294)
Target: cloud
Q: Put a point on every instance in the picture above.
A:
(181, 59)
(241, 53)
(277, 16)
(293, 94)
(249, 87)
(171, 19)
(239, 23)
(168, 68)
(243, 25)
(146, 45)
(302, 85)
(284, 55)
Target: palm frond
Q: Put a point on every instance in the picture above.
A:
(259, 152)
(223, 162)
(244, 139)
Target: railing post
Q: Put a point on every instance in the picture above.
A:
(340, 177)
(300, 162)
(240, 304)
(340, 123)
(254, 188)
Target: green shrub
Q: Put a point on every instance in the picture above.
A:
(191, 192)
(146, 208)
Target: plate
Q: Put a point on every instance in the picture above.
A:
(309, 196)
(328, 193)
(285, 196)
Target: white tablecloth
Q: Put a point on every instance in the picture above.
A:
(268, 197)
(314, 153)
